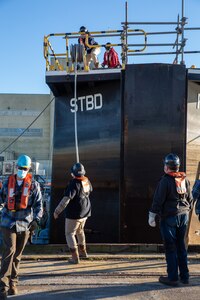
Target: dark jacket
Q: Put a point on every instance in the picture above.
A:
(167, 201)
(79, 205)
(91, 42)
(196, 195)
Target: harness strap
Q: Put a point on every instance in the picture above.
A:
(24, 195)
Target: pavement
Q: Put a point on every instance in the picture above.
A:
(102, 276)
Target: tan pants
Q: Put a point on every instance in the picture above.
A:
(73, 229)
(93, 56)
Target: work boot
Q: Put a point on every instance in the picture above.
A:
(96, 65)
(165, 280)
(82, 251)
(184, 281)
(3, 295)
(12, 290)
(75, 257)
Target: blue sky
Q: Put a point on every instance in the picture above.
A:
(24, 23)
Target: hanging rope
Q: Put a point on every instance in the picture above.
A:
(77, 55)
(75, 113)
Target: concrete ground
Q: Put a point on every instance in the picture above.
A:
(103, 276)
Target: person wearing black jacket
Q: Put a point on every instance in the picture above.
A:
(196, 196)
(77, 206)
(172, 202)
(91, 52)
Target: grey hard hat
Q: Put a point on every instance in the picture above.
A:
(78, 170)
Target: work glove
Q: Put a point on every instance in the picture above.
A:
(152, 221)
(55, 215)
(33, 226)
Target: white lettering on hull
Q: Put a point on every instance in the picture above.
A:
(89, 102)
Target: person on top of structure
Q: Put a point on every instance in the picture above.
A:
(111, 59)
(91, 53)
(21, 211)
(196, 196)
(76, 203)
(172, 202)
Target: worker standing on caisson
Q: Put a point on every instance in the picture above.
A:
(91, 53)
(77, 207)
(21, 211)
(110, 59)
(172, 202)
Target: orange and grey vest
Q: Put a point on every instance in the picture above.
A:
(85, 184)
(180, 182)
(24, 196)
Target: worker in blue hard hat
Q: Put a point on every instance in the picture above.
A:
(21, 211)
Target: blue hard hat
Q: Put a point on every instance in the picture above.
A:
(24, 161)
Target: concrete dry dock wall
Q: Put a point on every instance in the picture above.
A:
(127, 121)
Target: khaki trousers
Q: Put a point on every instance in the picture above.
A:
(13, 246)
(73, 229)
(93, 56)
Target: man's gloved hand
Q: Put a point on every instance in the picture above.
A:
(55, 215)
(33, 226)
(152, 221)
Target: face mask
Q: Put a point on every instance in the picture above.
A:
(21, 174)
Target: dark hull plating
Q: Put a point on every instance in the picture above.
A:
(126, 123)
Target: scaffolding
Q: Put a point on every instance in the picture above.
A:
(54, 60)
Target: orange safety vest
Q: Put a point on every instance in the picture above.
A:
(25, 192)
(85, 183)
(180, 182)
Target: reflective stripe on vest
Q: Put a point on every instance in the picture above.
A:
(25, 192)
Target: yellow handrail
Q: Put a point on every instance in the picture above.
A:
(145, 40)
(49, 52)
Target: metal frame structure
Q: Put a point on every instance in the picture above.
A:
(179, 43)
(124, 35)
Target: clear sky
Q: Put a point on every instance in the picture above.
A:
(23, 24)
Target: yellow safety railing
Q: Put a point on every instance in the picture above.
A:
(122, 34)
(145, 40)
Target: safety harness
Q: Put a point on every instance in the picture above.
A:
(12, 205)
(85, 184)
(179, 181)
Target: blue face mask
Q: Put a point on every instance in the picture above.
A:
(21, 174)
